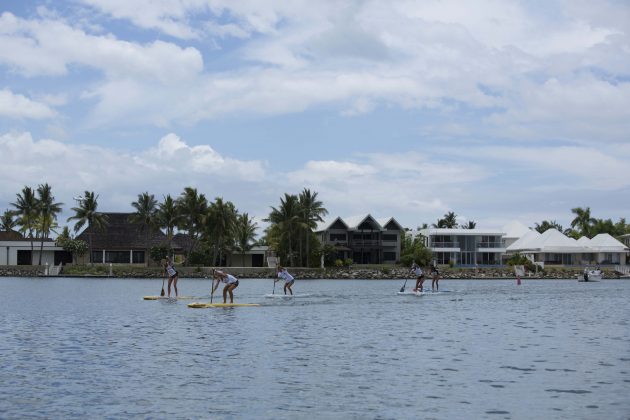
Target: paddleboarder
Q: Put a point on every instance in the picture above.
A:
(435, 274)
(288, 278)
(415, 268)
(230, 281)
(173, 276)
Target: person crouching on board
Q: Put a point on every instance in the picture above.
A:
(172, 274)
(230, 281)
(288, 278)
(435, 274)
(415, 268)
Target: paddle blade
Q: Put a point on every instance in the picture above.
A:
(402, 289)
(162, 293)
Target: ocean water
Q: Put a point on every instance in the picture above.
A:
(92, 348)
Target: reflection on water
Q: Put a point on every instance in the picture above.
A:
(350, 349)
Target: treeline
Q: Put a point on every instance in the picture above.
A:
(212, 228)
(583, 224)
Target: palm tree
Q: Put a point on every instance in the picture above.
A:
(168, 218)
(450, 220)
(470, 225)
(441, 223)
(583, 220)
(26, 205)
(7, 222)
(312, 211)
(192, 207)
(86, 214)
(220, 224)
(286, 218)
(146, 215)
(47, 214)
(546, 225)
(245, 234)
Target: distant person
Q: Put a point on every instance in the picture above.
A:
(435, 275)
(288, 278)
(230, 281)
(417, 271)
(586, 274)
(169, 270)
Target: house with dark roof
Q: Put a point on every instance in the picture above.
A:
(123, 242)
(365, 239)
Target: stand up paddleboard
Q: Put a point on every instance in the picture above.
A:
(279, 296)
(167, 298)
(219, 305)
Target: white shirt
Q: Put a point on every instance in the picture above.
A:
(284, 274)
(418, 271)
(229, 279)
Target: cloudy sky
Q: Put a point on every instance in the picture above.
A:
(497, 110)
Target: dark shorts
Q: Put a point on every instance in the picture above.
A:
(235, 284)
(289, 283)
(174, 275)
(421, 277)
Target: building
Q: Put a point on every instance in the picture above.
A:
(365, 239)
(122, 242)
(17, 250)
(553, 247)
(465, 247)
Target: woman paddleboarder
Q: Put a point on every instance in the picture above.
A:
(230, 281)
(288, 278)
(172, 274)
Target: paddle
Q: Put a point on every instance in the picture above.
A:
(162, 293)
(274, 288)
(212, 288)
(402, 289)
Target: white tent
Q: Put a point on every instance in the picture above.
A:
(526, 243)
(606, 243)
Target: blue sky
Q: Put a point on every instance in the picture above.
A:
(497, 110)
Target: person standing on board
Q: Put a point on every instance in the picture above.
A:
(288, 278)
(419, 276)
(172, 274)
(230, 281)
(435, 274)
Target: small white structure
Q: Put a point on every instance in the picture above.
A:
(19, 252)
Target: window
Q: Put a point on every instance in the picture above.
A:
(138, 257)
(390, 237)
(97, 256)
(117, 257)
(24, 257)
(389, 256)
(337, 237)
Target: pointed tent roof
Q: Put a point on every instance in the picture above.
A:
(584, 241)
(527, 242)
(327, 224)
(606, 243)
(553, 240)
(355, 221)
(515, 229)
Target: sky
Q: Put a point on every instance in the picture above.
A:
(496, 110)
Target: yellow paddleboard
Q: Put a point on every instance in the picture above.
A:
(218, 305)
(164, 297)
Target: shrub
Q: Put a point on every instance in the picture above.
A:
(348, 262)
(338, 263)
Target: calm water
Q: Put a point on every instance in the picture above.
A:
(74, 348)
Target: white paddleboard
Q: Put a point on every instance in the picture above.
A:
(282, 296)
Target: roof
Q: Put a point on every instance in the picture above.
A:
(515, 229)
(11, 236)
(526, 242)
(353, 222)
(120, 233)
(606, 243)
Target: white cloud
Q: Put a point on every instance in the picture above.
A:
(19, 106)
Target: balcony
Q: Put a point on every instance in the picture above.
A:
(452, 245)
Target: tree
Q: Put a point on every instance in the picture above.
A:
(220, 226)
(582, 220)
(415, 250)
(168, 218)
(87, 213)
(7, 222)
(470, 225)
(546, 225)
(146, 215)
(312, 211)
(26, 211)
(440, 224)
(285, 220)
(47, 211)
(191, 207)
(245, 234)
(450, 220)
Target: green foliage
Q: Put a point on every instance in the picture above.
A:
(76, 247)
(94, 270)
(518, 259)
(348, 262)
(413, 249)
(159, 252)
(338, 263)
(545, 225)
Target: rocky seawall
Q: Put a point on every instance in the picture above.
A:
(300, 273)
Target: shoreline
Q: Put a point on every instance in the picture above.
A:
(344, 273)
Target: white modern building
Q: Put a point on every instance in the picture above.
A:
(15, 250)
(465, 247)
